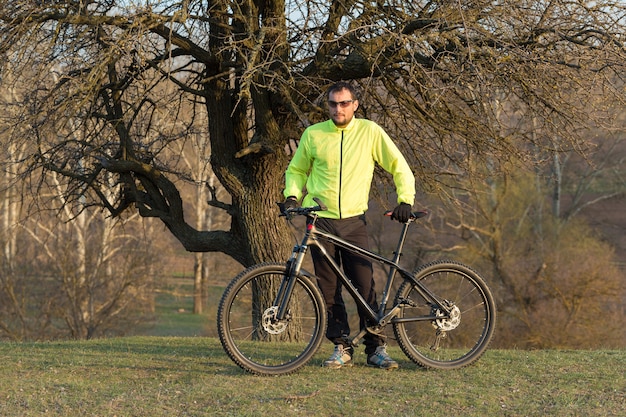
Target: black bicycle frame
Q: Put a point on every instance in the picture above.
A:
(312, 236)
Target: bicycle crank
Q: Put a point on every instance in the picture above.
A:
(270, 324)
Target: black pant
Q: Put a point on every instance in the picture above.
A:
(357, 268)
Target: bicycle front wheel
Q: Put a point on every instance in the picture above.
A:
(252, 335)
(433, 338)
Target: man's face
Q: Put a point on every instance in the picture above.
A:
(341, 107)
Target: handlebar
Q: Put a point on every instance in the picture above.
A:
(302, 210)
(414, 215)
(322, 207)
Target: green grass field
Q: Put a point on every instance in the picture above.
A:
(174, 312)
(191, 376)
(175, 366)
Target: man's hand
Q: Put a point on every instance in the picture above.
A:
(401, 213)
(290, 203)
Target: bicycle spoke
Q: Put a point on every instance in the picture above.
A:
(250, 332)
(446, 341)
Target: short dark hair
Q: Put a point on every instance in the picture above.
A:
(342, 85)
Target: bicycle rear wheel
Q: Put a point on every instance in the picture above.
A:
(247, 328)
(423, 331)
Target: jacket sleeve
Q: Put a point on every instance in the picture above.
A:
(297, 171)
(389, 157)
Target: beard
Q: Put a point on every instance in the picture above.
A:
(340, 120)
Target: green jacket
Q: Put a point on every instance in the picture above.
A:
(337, 166)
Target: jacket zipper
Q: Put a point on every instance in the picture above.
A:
(340, 172)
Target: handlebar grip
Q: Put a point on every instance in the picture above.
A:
(289, 213)
(320, 203)
(414, 214)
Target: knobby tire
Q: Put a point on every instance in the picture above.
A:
(444, 343)
(273, 348)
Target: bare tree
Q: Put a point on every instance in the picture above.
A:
(69, 270)
(95, 268)
(195, 154)
(428, 71)
(551, 277)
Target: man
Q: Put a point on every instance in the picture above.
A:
(335, 162)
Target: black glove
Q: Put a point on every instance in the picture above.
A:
(401, 213)
(290, 203)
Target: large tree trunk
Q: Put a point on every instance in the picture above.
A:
(250, 167)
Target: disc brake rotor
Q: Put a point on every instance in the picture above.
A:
(270, 324)
(448, 323)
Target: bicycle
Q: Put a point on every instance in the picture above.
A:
(272, 317)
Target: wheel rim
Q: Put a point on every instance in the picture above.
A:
(259, 343)
(450, 341)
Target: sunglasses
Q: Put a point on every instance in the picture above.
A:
(342, 104)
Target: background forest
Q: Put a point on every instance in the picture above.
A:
(147, 139)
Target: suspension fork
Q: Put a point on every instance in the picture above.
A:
(292, 270)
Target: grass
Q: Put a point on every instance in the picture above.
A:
(191, 376)
(174, 312)
(175, 367)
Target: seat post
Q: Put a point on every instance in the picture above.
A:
(398, 252)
